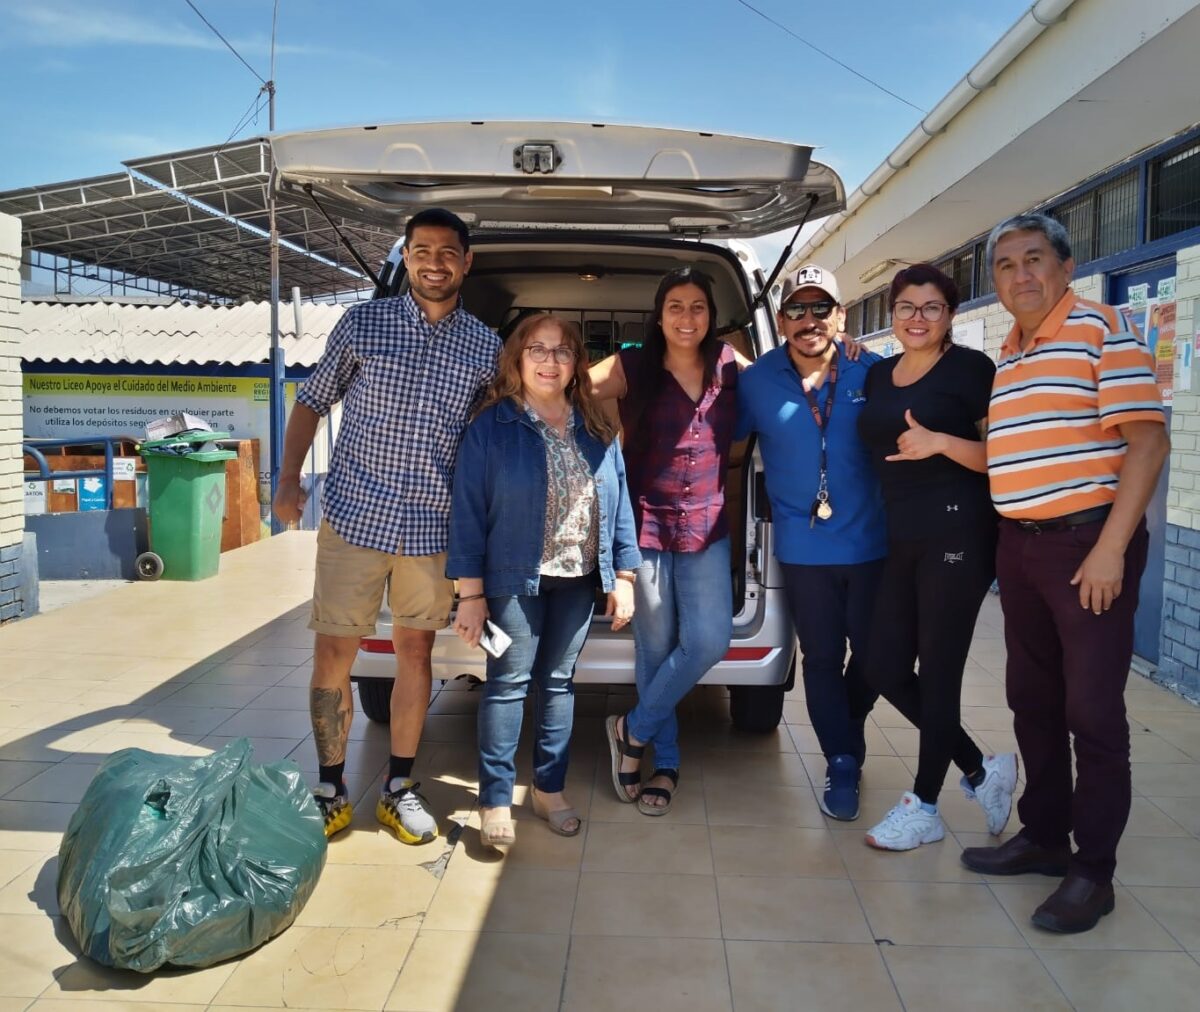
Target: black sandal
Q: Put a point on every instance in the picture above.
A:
(619, 748)
(658, 792)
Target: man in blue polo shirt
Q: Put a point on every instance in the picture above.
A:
(803, 399)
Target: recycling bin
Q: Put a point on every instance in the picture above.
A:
(187, 506)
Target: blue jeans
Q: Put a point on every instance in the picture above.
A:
(830, 605)
(548, 631)
(682, 624)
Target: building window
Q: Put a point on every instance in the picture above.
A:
(1175, 191)
(854, 320)
(983, 272)
(875, 313)
(961, 268)
(1102, 221)
(1116, 215)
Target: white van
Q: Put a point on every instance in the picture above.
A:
(584, 220)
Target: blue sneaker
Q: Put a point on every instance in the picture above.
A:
(840, 800)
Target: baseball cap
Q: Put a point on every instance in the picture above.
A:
(811, 276)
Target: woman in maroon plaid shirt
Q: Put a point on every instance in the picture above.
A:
(677, 397)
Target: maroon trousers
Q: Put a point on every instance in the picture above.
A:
(1066, 676)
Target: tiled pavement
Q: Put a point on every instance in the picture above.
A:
(744, 897)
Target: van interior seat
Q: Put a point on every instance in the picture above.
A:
(598, 338)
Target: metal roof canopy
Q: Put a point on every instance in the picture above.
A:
(121, 222)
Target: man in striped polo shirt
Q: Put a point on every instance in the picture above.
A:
(1075, 445)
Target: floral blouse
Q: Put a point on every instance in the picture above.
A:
(571, 535)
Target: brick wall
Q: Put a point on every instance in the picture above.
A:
(1183, 497)
(1179, 648)
(13, 565)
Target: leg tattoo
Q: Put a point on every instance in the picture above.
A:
(331, 725)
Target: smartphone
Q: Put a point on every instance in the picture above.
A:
(493, 639)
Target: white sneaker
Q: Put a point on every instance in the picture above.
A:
(907, 826)
(995, 793)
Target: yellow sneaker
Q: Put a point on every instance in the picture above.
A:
(406, 813)
(335, 808)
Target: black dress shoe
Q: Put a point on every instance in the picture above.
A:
(1017, 857)
(1075, 906)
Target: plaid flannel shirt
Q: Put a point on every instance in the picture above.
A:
(407, 389)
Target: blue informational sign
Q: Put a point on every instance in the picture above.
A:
(92, 494)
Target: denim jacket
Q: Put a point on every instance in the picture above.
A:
(498, 508)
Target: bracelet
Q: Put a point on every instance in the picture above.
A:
(631, 577)
(472, 597)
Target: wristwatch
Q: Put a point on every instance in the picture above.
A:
(627, 574)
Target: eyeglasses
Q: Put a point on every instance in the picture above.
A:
(930, 312)
(563, 354)
(819, 310)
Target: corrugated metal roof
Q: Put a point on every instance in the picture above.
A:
(146, 222)
(110, 331)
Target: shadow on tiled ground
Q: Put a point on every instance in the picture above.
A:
(744, 897)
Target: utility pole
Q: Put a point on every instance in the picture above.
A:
(277, 362)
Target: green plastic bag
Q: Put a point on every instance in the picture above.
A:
(183, 861)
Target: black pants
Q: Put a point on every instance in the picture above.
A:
(929, 597)
(1067, 669)
(830, 605)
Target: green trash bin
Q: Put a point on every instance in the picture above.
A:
(187, 506)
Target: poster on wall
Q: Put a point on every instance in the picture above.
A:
(1160, 336)
(92, 494)
(124, 468)
(1184, 354)
(64, 406)
(35, 498)
(1134, 316)
(970, 334)
(1155, 321)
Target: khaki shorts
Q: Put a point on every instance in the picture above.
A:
(350, 581)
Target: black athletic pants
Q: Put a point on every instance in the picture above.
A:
(929, 597)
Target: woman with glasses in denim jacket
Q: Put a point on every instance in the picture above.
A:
(540, 517)
(924, 423)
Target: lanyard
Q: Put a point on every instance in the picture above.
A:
(823, 423)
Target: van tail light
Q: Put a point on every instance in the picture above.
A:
(747, 653)
(377, 646)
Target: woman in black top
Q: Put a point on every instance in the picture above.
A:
(923, 423)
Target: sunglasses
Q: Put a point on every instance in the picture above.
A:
(563, 354)
(819, 310)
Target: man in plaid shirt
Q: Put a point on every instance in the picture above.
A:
(408, 371)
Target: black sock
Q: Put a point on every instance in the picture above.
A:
(333, 775)
(400, 766)
(976, 779)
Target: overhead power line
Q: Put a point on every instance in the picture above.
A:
(829, 56)
(228, 44)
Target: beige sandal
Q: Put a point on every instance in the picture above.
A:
(557, 820)
(645, 806)
(495, 832)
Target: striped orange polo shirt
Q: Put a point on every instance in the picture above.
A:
(1053, 446)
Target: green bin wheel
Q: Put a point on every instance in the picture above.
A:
(149, 566)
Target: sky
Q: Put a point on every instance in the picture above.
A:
(90, 83)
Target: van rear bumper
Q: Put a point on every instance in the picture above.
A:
(761, 651)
